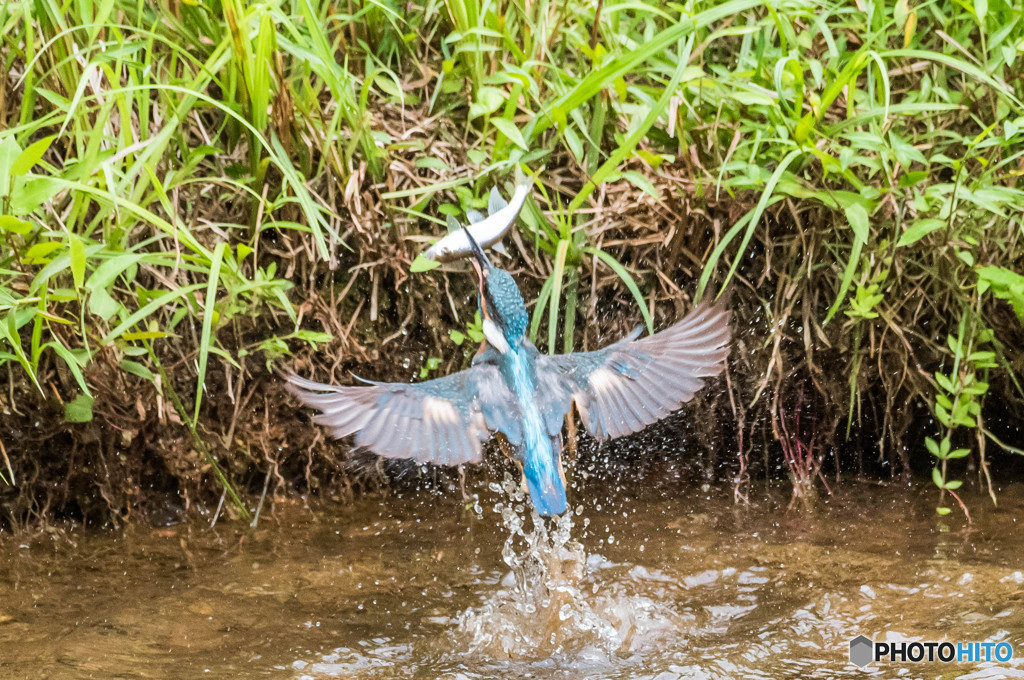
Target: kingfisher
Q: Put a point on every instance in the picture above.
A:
(513, 389)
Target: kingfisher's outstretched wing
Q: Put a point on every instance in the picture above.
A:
(439, 421)
(629, 385)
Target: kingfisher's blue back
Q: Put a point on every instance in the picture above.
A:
(537, 439)
(539, 450)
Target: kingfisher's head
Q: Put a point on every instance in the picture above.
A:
(501, 304)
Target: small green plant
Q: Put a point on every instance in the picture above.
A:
(474, 332)
(1004, 285)
(431, 364)
(277, 347)
(958, 402)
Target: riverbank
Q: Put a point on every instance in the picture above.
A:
(195, 196)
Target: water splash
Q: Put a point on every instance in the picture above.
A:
(552, 600)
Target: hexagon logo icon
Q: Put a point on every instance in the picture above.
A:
(862, 651)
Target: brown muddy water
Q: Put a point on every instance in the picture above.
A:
(653, 584)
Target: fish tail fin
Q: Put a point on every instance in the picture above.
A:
(523, 179)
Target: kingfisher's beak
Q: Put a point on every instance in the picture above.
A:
(481, 264)
(480, 284)
(480, 257)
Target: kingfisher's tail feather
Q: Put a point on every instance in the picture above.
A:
(544, 480)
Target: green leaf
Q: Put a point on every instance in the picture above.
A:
(79, 410)
(144, 335)
(76, 250)
(488, 99)
(30, 156)
(313, 337)
(978, 388)
(932, 446)
(509, 129)
(31, 192)
(804, 127)
(620, 88)
(905, 153)
(75, 360)
(13, 225)
(40, 252)
(640, 182)
(955, 346)
(431, 163)
(156, 300)
(9, 332)
(423, 264)
(457, 337)
(9, 152)
(918, 230)
(937, 478)
(857, 216)
(102, 305)
(312, 212)
(942, 511)
(954, 484)
(538, 308)
(909, 179)
(575, 144)
(982, 357)
(137, 369)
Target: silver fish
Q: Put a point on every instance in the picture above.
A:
(486, 231)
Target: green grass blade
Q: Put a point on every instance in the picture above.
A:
(148, 309)
(538, 310)
(629, 144)
(209, 311)
(556, 293)
(627, 278)
(750, 221)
